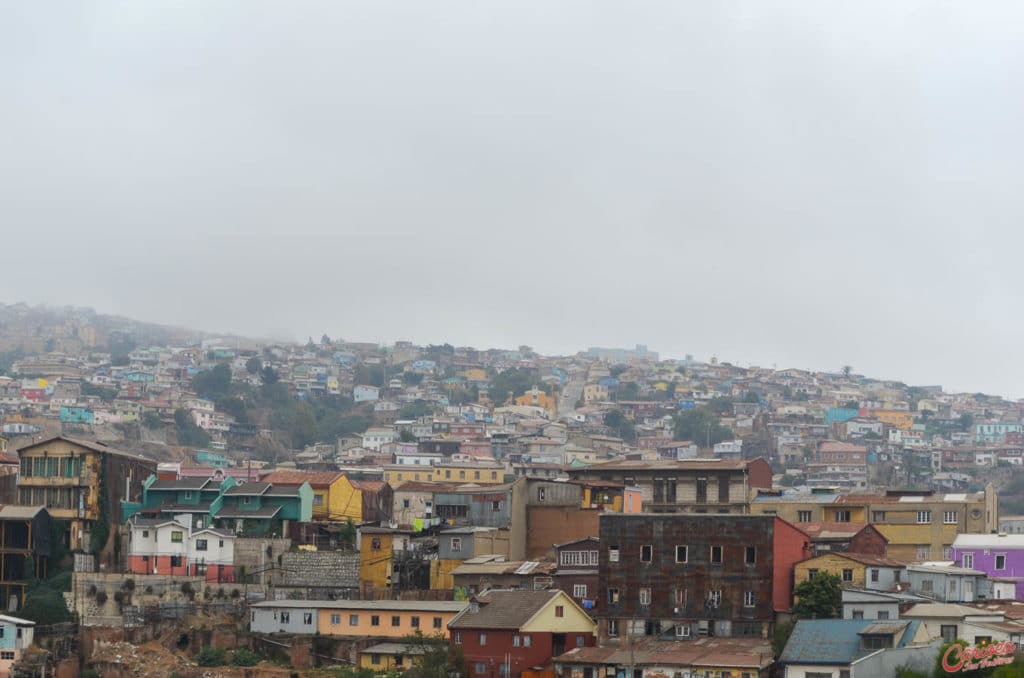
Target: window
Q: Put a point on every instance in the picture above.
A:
(396, 620)
(307, 618)
(374, 620)
(923, 552)
(874, 575)
(948, 632)
(579, 558)
(613, 554)
(968, 560)
(842, 516)
(335, 619)
(318, 500)
(353, 620)
(613, 595)
(405, 503)
(878, 516)
(437, 622)
(1000, 561)
(579, 590)
(286, 617)
(516, 641)
(6, 654)
(480, 668)
(702, 490)
(495, 506)
(680, 598)
(716, 554)
(456, 543)
(483, 639)
(527, 641)
(559, 610)
(949, 517)
(175, 561)
(847, 574)
(750, 556)
(749, 598)
(201, 544)
(883, 614)
(645, 596)
(803, 516)
(177, 536)
(145, 534)
(927, 585)
(646, 553)
(681, 553)
(579, 641)
(858, 614)
(924, 517)
(812, 573)
(714, 598)
(414, 622)
(613, 628)
(458, 638)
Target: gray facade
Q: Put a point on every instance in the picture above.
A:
(949, 584)
(282, 616)
(869, 606)
(480, 506)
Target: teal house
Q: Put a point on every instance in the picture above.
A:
(260, 508)
(70, 414)
(214, 459)
(254, 508)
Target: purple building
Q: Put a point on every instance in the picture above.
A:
(1000, 556)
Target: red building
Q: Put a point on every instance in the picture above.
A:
(504, 633)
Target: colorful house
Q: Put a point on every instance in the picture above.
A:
(70, 414)
(259, 508)
(160, 546)
(857, 570)
(383, 657)
(381, 619)
(15, 637)
(362, 501)
(190, 501)
(1000, 556)
(537, 398)
(521, 629)
(331, 490)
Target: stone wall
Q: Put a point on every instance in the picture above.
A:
(318, 569)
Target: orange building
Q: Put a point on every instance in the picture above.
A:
(537, 398)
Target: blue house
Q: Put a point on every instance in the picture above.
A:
(840, 414)
(15, 637)
(260, 508)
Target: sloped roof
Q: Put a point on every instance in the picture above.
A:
(314, 478)
(834, 642)
(248, 489)
(94, 445)
(504, 609)
(196, 483)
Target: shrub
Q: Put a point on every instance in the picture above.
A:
(101, 598)
(211, 656)
(244, 657)
(92, 590)
(235, 593)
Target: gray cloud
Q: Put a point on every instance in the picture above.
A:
(790, 183)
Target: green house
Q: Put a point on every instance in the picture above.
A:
(260, 508)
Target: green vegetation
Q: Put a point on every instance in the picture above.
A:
(515, 381)
(369, 375)
(438, 658)
(151, 420)
(44, 602)
(213, 384)
(622, 426)
(702, 426)
(416, 409)
(244, 657)
(253, 365)
(212, 656)
(781, 636)
(189, 434)
(104, 393)
(819, 598)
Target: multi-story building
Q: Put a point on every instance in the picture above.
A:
(999, 555)
(160, 546)
(577, 569)
(688, 485)
(355, 618)
(693, 575)
(70, 477)
(16, 636)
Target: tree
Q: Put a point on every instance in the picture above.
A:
(151, 420)
(325, 340)
(269, 375)
(412, 378)
(701, 426)
(303, 427)
(253, 365)
(235, 407)
(188, 433)
(752, 397)
(846, 371)
(966, 421)
(622, 426)
(436, 657)
(213, 384)
(514, 382)
(820, 597)
(781, 636)
(415, 410)
(406, 436)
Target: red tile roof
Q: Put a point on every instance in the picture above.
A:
(314, 478)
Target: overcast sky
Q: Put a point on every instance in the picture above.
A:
(799, 184)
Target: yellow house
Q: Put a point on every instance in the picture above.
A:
(377, 546)
(899, 418)
(537, 398)
(383, 657)
(851, 568)
(446, 473)
(817, 507)
(386, 618)
(474, 374)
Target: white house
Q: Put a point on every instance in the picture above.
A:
(165, 546)
(363, 393)
(376, 436)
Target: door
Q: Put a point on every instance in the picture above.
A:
(557, 644)
(968, 590)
